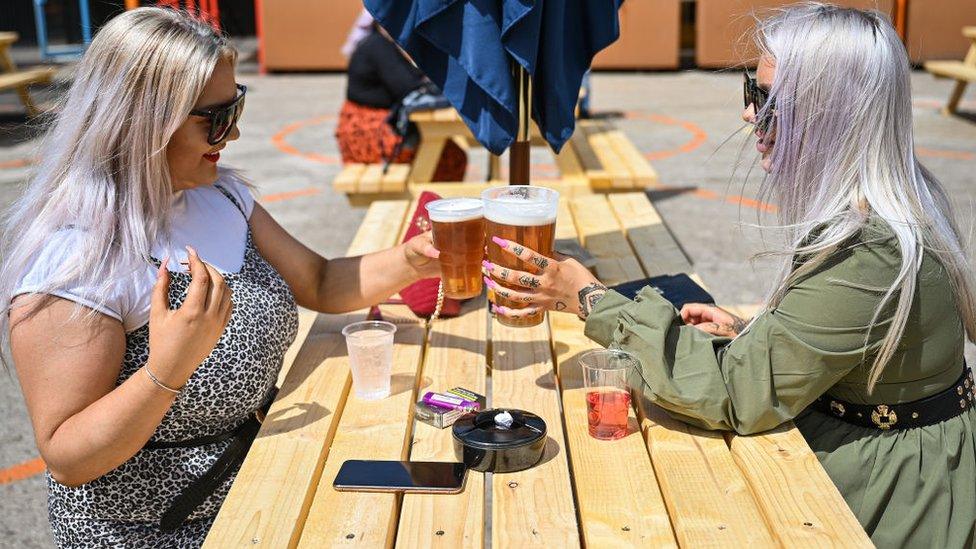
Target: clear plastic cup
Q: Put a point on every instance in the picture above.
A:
(370, 346)
(607, 392)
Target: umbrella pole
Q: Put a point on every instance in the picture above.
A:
(518, 154)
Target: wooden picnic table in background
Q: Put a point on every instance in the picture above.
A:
(665, 484)
(598, 156)
(963, 72)
(13, 78)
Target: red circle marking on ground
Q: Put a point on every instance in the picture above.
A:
(21, 471)
(944, 153)
(698, 135)
(279, 140)
(16, 163)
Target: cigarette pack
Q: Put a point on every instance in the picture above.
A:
(443, 417)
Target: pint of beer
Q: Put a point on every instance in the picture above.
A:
(525, 215)
(459, 234)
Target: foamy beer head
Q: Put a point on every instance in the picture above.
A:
(459, 234)
(525, 215)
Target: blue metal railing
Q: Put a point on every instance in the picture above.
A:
(48, 51)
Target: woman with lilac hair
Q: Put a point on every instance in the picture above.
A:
(861, 338)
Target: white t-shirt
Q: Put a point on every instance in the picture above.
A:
(203, 218)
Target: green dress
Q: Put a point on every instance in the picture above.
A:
(908, 488)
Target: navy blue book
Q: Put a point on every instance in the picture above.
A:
(678, 289)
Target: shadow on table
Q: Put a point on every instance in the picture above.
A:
(283, 421)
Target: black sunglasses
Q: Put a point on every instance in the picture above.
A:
(223, 117)
(752, 94)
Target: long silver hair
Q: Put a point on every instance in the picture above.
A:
(103, 167)
(844, 148)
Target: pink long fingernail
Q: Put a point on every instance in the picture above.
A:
(489, 282)
(487, 264)
(500, 241)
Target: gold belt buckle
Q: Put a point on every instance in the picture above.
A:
(883, 417)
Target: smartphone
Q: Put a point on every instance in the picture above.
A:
(431, 477)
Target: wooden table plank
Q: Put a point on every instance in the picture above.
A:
(781, 470)
(654, 245)
(274, 487)
(620, 503)
(534, 507)
(641, 170)
(802, 506)
(597, 134)
(371, 429)
(268, 503)
(600, 233)
(379, 429)
(707, 496)
(455, 357)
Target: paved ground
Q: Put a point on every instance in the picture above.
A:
(687, 121)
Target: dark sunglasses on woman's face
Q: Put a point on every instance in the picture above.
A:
(754, 95)
(223, 117)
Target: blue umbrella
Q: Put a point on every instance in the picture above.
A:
(484, 53)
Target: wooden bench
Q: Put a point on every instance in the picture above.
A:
(609, 160)
(963, 72)
(664, 485)
(370, 179)
(13, 78)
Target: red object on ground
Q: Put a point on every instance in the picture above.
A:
(365, 138)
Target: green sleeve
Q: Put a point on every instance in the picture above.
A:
(787, 358)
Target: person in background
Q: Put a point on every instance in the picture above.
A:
(380, 76)
(147, 298)
(861, 339)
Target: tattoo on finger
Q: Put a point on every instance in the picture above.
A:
(517, 250)
(504, 274)
(540, 262)
(529, 281)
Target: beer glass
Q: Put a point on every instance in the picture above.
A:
(526, 215)
(459, 234)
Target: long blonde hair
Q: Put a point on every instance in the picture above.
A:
(844, 146)
(103, 167)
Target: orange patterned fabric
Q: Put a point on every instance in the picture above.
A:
(364, 137)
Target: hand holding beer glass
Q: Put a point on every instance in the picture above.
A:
(458, 225)
(525, 215)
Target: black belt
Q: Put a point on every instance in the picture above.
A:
(229, 461)
(907, 415)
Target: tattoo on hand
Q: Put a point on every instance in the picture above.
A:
(560, 306)
(540, 262)
(739, 324)
(504, 274)
(517, 250)
(589, 295)
(528, 281)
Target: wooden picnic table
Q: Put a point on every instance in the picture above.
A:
(13, 78)
(437, 127)
(665, 484)
(963, 72)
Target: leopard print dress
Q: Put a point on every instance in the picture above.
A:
(123, 508)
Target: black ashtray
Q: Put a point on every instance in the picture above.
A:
(482, 445)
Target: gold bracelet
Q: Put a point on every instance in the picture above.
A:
(160, 384)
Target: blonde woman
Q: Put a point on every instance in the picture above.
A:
(145, 380)
(861, 341)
